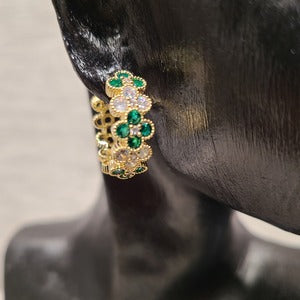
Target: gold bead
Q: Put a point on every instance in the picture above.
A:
(97, 104)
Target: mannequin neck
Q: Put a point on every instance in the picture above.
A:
(162, 228)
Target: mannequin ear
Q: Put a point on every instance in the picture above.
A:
(93, 33)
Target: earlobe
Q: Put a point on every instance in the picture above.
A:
(90, 32)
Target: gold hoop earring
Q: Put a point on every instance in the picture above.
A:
(121, 128)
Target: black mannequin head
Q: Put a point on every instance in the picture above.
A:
(224, 76)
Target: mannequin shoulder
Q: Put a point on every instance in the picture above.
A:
(59, 261)
(36, 262)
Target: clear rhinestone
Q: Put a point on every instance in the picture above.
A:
(135, 130)
(143, 103)
(122, 155)
(130, 164)
(133, 157)
(120, 104)
(129, 92)
(132, 102)
(144, 152)
(126, 81)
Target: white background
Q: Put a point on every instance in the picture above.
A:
(48, 165)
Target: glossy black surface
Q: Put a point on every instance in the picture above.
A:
(224, 76)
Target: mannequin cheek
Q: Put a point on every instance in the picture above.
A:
(224, 166)
(179, 135)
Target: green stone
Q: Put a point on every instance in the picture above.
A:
(115, 82)
(123, 130)
(146, 129)
(138, 82)
(123, 75)
(118, 172)
(139, 169)
(134, 142)
(134, 117)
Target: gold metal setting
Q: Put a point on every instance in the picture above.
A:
(121, 126)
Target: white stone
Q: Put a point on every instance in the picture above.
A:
(143, 103)
(132, 102)
(129, 92)
(126, 81)
(144, 152)
(120, 104)
(122, 155)
(135, 130)
(130, 164)
(133, 157)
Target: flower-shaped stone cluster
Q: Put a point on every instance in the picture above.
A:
(127, 163)
(128, 99)
(135, 130)
(122, 78)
